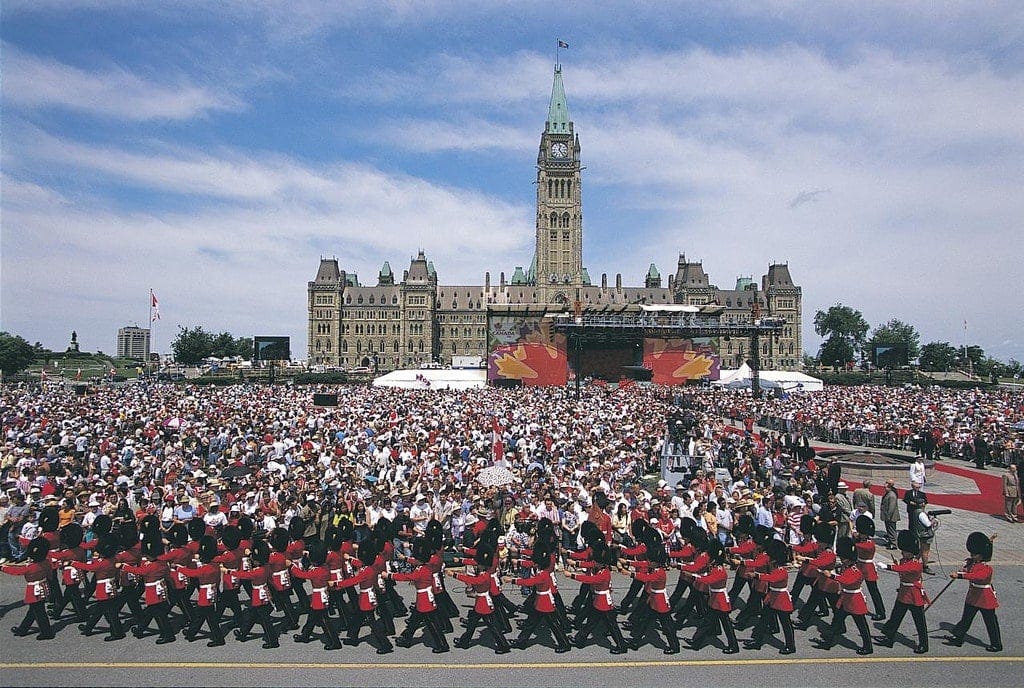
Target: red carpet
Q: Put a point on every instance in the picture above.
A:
(990, 487)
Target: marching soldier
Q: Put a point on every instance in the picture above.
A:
(778, 604)
(153, 573)
(365, 580)
(698, 567)
(319, 601)
(980, 596)
(37, 571)
(851, 599)
(864, 542)
(603, 608)
(911, 595)
(426, 611)
(71, 551)
(230, 562)
(484, 608)
(176, 558)
(654, 579)
(280, 577)
(804, 553)
(544, 608)
(207, 576)
(749, 569)
(713, 582)
(259, 598)
(104, 567)
(826, 589)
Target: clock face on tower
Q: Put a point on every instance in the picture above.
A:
(559, 150)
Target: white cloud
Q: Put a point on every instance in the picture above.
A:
(31, 81)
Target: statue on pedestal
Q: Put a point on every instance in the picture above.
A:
(73, 346)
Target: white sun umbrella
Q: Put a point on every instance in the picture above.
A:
(495, 476)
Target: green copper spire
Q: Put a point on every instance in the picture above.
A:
(558, 110)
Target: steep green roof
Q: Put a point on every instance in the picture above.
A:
(653, 271)
(586, 278)
(386, 269)
(518, 277)
(558, 109)
(531, 273)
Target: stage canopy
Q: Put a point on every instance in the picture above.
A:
(784, 380)
(428, 378)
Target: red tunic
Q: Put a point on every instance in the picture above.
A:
(423, 578)
(759, 564)
(231, 560)
(36, 574)
(714, 583)
(851, 596)
(601, 585)
(106, 576)
(177, 558)
(543, 586)
(808, 549)
(743, 550)
(336, 565)
(866, 559)
(654, 586)
(208, 575)
(777, 596)
(366, 579)
(481, 584)
(279, 576)
(825, 561)
(154, 576)
(130, 556)
(260, 577)
(686, 553)
(69, 575)
(318, 576)
(980, 594)
(295, 549)
(911, 588)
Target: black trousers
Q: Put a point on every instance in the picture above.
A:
(839, 625)
(158, 613)
(73, 595)
(258, 615)
(229, 600)
(876, 597)
(709, 626)
(211, 616)
(818, 599)
(320, 616)
(644, 623)
(37, 613)
(597, 618)
(108, 609)
(493, 624)
(696, 600)
(764, 625)
(899, 611)
(283, 601)
(995, 638)
(432, 622)
(376, 629)
(798, 586)
(534, 619)
(751, 610)
(180, 599)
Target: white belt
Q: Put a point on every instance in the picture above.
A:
(975, 585)
(662, 591)
(153, 584)
(778, 589)
(716, 589)
(855, 591)
(909, 585)
(424, 589)
(319, 589)
(210, 588)
(866, 561)
(104, 581)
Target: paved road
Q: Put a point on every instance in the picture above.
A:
(72, 660)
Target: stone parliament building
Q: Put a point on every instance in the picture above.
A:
(415, 320)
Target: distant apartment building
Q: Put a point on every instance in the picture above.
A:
(133, 342)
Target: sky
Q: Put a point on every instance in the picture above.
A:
(213, 152)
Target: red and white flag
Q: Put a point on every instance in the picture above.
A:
(78, 375)
(154, 308)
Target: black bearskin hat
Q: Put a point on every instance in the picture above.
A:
(865, 525)
(296, 528)
(979, 545)
(823, 533)
(368, 551)
(246, 526)
(260, 552)
(777, 551)
(127, 535)
(37, 549)
(807, 524)
(207, 548)
(196, 528)
(231, 537)
(278, 539)
(103, 524)
(106, 547)
(422, 549)
(71, 535)
(317, 552)
(845, 549)
(177, 536)
(907, 541)
(49, 519)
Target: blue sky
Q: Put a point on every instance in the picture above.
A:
(213, 152)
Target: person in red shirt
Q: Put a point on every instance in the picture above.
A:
(911, 595)
(714, 584)
(864, 542)
(341, 550)
(294, 552)
(484, 607)
(603, 611)
(425, 612)
(757, 563)
(104, 567)
(654, 578)
(851, 599)
(638, 552)
(259, 600)
(980, 596)
(319, 577)
(777, 603)
(804, 553)
(131, 553)
(36, 572)
(744, 548)
(207, 575)
(447, 608)
(153, 572)
(365, 580)
(543, 609)
(592, 537)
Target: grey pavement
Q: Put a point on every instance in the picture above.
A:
(72, 660)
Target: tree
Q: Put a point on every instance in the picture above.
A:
(243, 347)
(192, 345)
(808, 361)
(843, 324)
(938, 357)
(835, 352)
(897, 332)
(16, 353)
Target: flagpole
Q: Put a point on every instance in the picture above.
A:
(558, 44)
(152, 329)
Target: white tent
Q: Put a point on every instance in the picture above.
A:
(432, 378)
(785, 380)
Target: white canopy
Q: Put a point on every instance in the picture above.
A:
(432, 378)
(786, 380)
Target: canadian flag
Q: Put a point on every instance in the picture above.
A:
(497, 445)
(154, 308)
(78, 375)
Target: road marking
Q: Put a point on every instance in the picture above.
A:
(501, 665)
